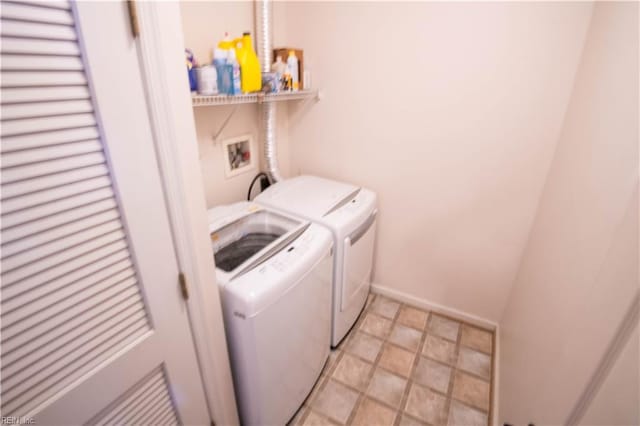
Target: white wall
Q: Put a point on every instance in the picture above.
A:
(204, 24)
(451, 113)
(579, 272)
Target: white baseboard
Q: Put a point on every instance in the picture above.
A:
(453, 313)
(431, 306)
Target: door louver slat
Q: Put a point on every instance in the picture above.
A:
(148, 402)
(42, 322)
(40, 140)
(55, 361)
(110, 295)
(13, 28)
(164, 406)
(50, 4)
(43, 109)
(105, 332)
(44, 124)
(40, 63)
(62, 245)
(71, 340)
(32, 13)
(30, 302)
(67, 332)
(71, 299)
(148, 406)
(36, 393)
(56, 193)
(57, 273)
(48, 153)
(164, 417)
(50, 236)
(44, 210)
(39, 47)
(37, 184)
(42, 78)
(44, 94)
(120, 411)
(30, 171)
(31, 228)
(61, 258)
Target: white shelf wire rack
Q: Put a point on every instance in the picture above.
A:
(252, 98)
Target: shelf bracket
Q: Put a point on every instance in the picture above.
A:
(224, 124)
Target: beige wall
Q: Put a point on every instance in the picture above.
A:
(451, 113)
(617, 402)
(579, 272)
(501, 139)
(204, 24)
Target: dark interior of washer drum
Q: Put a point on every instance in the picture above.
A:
(233, 255)
(237, 242)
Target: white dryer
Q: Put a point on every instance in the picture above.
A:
(274, 272)
(350, 213)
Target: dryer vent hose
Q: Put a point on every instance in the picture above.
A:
(264, 22)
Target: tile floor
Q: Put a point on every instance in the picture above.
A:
(403, 366)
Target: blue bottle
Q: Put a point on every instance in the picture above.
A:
(220, 63)
(191, 69)
(234, 69)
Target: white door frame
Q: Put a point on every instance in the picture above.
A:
(161, 47)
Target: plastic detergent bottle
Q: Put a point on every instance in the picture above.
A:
(220, 62)
(191, 69)
(207, 80)
(250, 75)
(236, 72)
(292, 64)
(226, 43)
(279, 68)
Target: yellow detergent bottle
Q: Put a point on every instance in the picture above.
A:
(226, 43)
(250, 74)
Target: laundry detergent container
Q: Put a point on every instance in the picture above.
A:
(274, 273)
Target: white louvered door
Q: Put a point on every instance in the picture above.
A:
(93, 327)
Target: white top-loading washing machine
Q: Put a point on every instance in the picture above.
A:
(274, 272)
(350, 213)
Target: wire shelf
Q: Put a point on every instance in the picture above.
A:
(251, 98)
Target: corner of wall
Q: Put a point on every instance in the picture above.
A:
(559, 132)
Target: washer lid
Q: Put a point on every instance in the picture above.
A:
(309, 196)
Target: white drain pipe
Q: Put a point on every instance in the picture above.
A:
(264, 21)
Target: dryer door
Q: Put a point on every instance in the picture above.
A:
(358, 262)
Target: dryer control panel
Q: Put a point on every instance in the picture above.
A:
(353, 213)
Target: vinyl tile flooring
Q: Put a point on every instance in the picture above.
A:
(404, 366)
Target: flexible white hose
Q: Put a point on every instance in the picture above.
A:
(268, 114)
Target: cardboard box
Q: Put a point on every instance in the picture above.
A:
(284, 52)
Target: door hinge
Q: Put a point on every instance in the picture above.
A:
(133, 18)
(183, 286)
